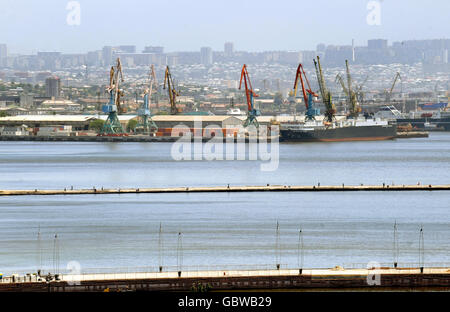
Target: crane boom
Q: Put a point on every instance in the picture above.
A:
(389, 93)
(326, 95)
(149, 91)
(342, 83)
(250, 94)
(168, 81)
(112, 124)
(359, 92)
(146, 123)
(354, 108)
(397, 76)
(310, 112)
(117, 81)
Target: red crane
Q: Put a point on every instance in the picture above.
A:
(250, 94)
(310, 111)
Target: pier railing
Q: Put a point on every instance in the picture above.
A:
(144, 272)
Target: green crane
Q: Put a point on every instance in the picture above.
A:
(146, 123)
(330, 109)
(354, 107)
(112, 125)
(172, 92)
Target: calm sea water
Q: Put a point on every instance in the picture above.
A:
(108, 232)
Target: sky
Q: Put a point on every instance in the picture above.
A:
(29, 26)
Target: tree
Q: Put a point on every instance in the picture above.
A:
(278, 100)
(96, 125)
(4, 114)
(132, 125)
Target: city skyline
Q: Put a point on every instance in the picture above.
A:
(251, 26)
(377, 51)
(149, 47)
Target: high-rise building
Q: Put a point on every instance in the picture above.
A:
(151, 49)
(229, 49)
(107, 55)
(126, 49)
(377, 44)
(3, 54)
(321, 47)
(53, 87)
(206, 56)
(94, 58)
(51, 60)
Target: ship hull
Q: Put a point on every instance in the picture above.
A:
(442, 123)
(343, 134)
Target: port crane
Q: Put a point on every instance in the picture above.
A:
(389, 93)
(168, 81)
(340, 80)
(310, 110)
(330, 109)
(360, 93)
(355, 109)
(146, 122)
(112, 125)
(250, 94)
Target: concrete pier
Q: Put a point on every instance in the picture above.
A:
(129, 138)
(412, 134)
(285, 279)
(231, 189)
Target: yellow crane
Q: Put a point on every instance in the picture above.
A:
(112, 124)
(355, 109)
(340, 80)
(330, 109)
(389, 93)
(146, 123)
(168, 81)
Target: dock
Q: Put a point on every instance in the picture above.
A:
(230, 189)
(283, 279)
(131, 138)
(412, 134)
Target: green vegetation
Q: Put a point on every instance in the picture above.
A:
(278, 99)
(4, 114)
(96, 125)
(131, 126)
(27, 88)
(200, 287)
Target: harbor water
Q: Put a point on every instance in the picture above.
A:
(109, 232)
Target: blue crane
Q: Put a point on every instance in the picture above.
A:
(112, 125)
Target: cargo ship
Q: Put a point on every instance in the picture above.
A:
(346, 130)
(422, 120)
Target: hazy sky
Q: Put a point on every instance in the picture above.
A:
(186, 25)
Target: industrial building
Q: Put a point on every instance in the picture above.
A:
(81, 122)
(53, 87)
(78, 122)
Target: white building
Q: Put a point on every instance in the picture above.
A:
(15, 130)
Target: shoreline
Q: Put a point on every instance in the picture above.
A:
(230, 189)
